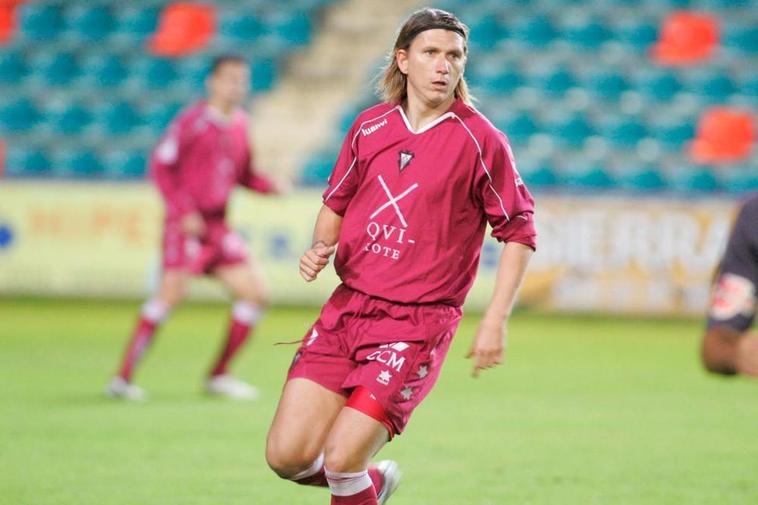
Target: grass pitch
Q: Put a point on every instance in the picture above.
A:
(587, 410)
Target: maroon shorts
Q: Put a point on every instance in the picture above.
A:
(393, 350)
(220, 246)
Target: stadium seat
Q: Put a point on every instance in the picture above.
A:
(742, 39)
(18, 117)
(660, 85)
(643, 179)
(264, 74)
(554, 83)
(592, 178)
(106, 71)
(586, 33)
(127, 165)
(723, 135)
(541, 177)
(625, 132)
(673, 136)
(294, 27)
(318, 168)
(518, 128)
(697, 179)
(740, 179)
(119, 119)
(183, 29)
(136, 22)
(159, 117)
(485, 31)
(72, 120)
(606, 85)
(88, 23)
(638, 34)
(571, 130)
(57, 69)
(78, 164)
(155, 73)
(494, 79)
(241, 27)
(536, 31)
(39, 21)
(27, 162)
(7, 21)
(686, 38)
(713, 88)
(13, 67)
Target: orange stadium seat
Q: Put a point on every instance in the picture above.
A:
(686, 38)
(183, 29)
(723, 135)
(7, 19)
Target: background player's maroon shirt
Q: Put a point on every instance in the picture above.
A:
(200, 159)
(415, 204)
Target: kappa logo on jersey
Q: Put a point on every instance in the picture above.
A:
(393, 200)
(733, 295)
(404, 159)
(389, 354)
(371, 129)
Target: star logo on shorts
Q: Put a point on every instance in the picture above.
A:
(406, 393)
(384, 377)
(423, 371)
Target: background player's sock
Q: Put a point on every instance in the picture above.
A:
(152, 314)
(351, 488)
(313, 476)
(244, 317)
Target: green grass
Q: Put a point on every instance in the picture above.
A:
(588, 410)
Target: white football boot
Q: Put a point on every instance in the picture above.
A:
(230, 387)
(118, 387)
(392, 475)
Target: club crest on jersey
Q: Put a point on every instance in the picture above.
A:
(405, 159)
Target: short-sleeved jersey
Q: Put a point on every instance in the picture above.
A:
(201, 158)
(733, 303)
(415, 204)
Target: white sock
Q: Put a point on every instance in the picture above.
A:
(348, 484)
(155, 310)
(246, 313)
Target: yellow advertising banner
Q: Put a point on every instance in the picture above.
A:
(609, 254)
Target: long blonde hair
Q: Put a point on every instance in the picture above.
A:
(392, 84)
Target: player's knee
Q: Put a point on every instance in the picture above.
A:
(287, 461)
(341, 460)
(715, 358)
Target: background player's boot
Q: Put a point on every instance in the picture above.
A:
(231, 387)
(392, 475)
(118, 387)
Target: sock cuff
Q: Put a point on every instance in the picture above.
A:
(348, 484)
(246, 313)
(154, 310)
(312, 470)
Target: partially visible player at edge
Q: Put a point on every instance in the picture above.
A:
(415, 184)
(730, 346)
(204, 154)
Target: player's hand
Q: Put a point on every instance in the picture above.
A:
(314, 260)
(488, 348)
(747, 355)
(282, 186)
(193, 224)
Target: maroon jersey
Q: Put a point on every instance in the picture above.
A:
(199, 161)
(415, 204)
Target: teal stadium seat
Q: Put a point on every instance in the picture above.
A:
(39, 21)
(638, 34)
(78, 164)
(572, 131)
(697, 179)
(19, 116)
(674, 136)
(243, 28)
(494, 79)
(156, 73)
(264, 74)
(625, 133)
(485, 32)
(554, 83)
(536, 31)
(518, 127)
(659, 85)
(713, 88)
(160, 115)
(13, 67)
(606, 85)
(58, 69)
(743, 39)
(106, 71)
(136, 23)
(88, 23)
(119, 119)
(741, 179)
(27, 162)
(127, 165)
(540, 177)
(72, 120)
(588, 34)
(592, 178)
(292, 26)
(318, 168)
(643, 179)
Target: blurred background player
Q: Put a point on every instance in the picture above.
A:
(203, 156)
(415, 184)
(729, 345)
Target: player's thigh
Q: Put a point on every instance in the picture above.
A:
(173, 286)
(303, 419)
(244, 282)
(353, 440)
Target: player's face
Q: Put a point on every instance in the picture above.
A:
(434, 64)
(230, 83)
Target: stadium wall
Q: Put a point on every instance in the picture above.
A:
(627, 255)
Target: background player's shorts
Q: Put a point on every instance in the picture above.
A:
(220, 246)
(393, 350)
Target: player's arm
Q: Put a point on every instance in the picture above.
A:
(325, 236)
(489, 343)
(164, 168)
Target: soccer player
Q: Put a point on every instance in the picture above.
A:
(416, 182)
(729, 345)
(204, 154)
